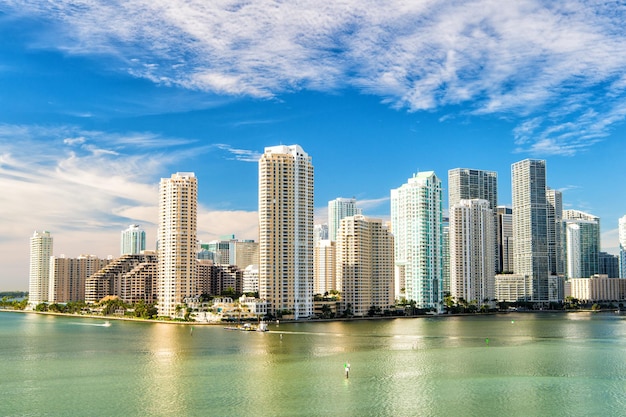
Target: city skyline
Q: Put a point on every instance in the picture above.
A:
(94, 111)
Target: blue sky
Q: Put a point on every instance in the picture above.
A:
(101, 99)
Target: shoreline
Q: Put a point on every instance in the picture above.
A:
(203, 323)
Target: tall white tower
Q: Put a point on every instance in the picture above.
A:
(471, 251)
(39, 276)
(416, 223)
(286, 230)
(133, 240)
(530, 226)
(176, 246)
(337, 210)
(622, 247)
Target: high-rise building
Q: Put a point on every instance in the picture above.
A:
(133, 240)
(133, 278)
(69, 275)
(622, 246)
(324, 271)
(504, 236)
(365, 266)
(176, 245)
(39, 275)
(608, 265)
(416, 221)
(468, 184)
(556, 255)
(320, 232)
(286, 230)
(581, 233)
(445, 254)
(337, 210)
(530, 226)
(244, 253)
(471, 251)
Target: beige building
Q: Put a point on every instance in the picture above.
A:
(325, 279)
(130, 277)
(245, 252)
(286, 230)
(597, 288)
(365, 265)
(176, 244)
(472, 246)
(69, 275)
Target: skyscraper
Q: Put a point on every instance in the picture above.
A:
(530, 226)
(39, 275)
(337, 210)
(286, 230)
(365, 265)
(176, 245)
(133, 240)
(467, 184)
(471, 251)
(416, 221)
(556, 255)
(504, 237)
(325, 276)
(622, 246)
(582, 243)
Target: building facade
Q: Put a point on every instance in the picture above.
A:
(176, 245)
(133, 240)
(556, 255)
(416, 221)
(504, 238)
(622, 246)
(530, 225)
(365, 266)
(68, 277)
(324, 271)
(286, 230)
(39, 270)
(472, 251)
(337, 210)
(608, 265)
(581, 233)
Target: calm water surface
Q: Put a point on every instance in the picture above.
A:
(509, 365)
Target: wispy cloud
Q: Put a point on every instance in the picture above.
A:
(89, 183)
(533, 59)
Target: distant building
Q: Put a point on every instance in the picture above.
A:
(416, 221)
(133, 240)
(513, 287)
(504, 236)
(622, 246)
(320, 232)
(177, 278)
(244, 253)
(216, 279)
(608, 265)
(365, 266)
(325, 267)
(337, 210)
(556, 256)
(68, 277)
(581, 233)
(39, 274)
(445, 254)
(286, 230)
(251, 279)
(598, 288)
(132, 278)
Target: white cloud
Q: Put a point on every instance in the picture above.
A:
(83, 187)
(530, 58)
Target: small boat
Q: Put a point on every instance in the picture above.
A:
(107, 324)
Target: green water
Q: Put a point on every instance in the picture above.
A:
(512, 365)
